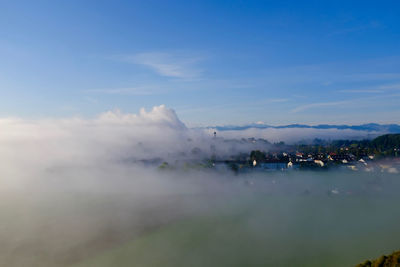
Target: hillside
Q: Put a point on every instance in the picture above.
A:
(392, 260)
(387, 141)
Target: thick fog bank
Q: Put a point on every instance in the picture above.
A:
(74, 190)
(118, 136)
(77, 215)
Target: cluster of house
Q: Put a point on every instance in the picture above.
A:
(311, 161)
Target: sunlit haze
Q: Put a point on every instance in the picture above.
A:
(199, 133)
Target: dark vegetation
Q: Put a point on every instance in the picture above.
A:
(319, 154)
(392, 260)
(383, 146)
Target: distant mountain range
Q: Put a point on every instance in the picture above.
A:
(370, 127)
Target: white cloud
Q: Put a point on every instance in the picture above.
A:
(111, 136)
(168, 65)
(159, 116)
(70, 191)
(116, 136)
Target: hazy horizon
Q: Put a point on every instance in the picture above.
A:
(116, 147)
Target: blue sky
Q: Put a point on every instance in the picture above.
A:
(214, 62)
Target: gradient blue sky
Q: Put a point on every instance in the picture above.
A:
(214, 62)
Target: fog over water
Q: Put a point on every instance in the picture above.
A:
(74, 192)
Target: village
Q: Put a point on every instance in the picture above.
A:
(264, 161)
(381, 154)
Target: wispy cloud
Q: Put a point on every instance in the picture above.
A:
(395, 86)
(364, 27)
(362, 101)
(361, 91)
(369, 76)
(167, 64)
(376, 89)
(319, 105)
(278, 100)
(124, 91)
(92, 100)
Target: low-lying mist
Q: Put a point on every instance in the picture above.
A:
(80, 216)
(75, 193)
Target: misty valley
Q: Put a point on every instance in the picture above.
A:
(200, 218)
(170, 133)
(145, 190)
(131, 215)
